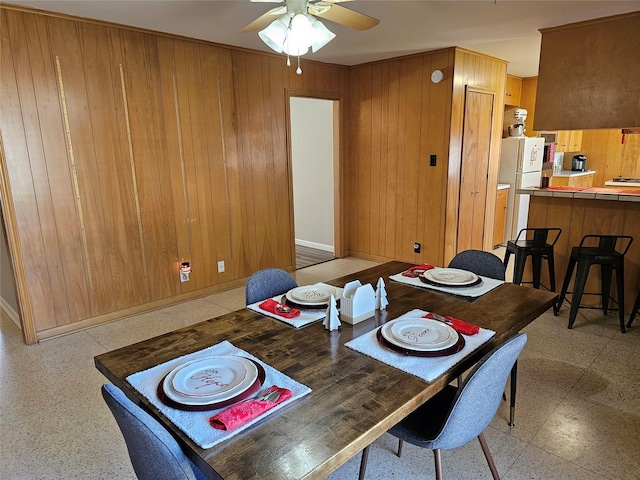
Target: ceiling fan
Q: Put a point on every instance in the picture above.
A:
(293, 28)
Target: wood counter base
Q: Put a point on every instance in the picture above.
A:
(578, 217)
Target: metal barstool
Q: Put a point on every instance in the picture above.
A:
(535, 244)
(609, 259)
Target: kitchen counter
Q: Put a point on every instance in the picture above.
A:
(614, 183)
(571, 173)
(591, 193)
(503, 186)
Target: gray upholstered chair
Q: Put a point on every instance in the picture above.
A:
(154, 453)
(268, 283)
(455, 416)
(480, 263)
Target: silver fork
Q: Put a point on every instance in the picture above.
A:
(440, 318)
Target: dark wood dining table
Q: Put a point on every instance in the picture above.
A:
(355, 398)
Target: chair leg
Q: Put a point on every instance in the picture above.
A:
(578, 289)
(438, 458)
(606, 272)
(634, 311)
(565, 285)
(512, 406)
(507, 254)
(552, 271)
(487, 455)
(400, 444)
(620, 282)
(536, 264)
(518, 269)
(363, 463)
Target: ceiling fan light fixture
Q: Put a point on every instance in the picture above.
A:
(323, 35)
(275, 34)
(295, 35)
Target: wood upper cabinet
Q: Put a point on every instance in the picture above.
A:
(569, 141)
(513, 91)
(501, 216)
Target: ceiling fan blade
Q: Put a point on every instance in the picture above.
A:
(267, 1)
(343, 16)
(264, 20)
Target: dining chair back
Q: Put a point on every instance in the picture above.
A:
(268, 283)
(456, 415)
(154, 453)
(480, 263)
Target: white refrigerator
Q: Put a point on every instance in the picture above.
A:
(520, 166)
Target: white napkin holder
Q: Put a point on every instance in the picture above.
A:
(358, 302)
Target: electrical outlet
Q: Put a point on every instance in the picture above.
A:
(184, 277)
(416, 247)
(221, 266)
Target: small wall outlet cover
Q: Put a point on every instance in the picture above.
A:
(184, 277)
(416, 247)
(221, 266)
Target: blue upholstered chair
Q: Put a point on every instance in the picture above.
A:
(480, 263)
(154, 453)
(268, 283)
(455, 416)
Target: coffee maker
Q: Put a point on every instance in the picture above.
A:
(579, 163)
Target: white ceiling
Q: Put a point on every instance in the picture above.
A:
(501, 28)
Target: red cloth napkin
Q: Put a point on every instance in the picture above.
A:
(270, 305)
(247, 410)
(458, 325)
(413, 272)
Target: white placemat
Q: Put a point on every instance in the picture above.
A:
(426, 368)
(474, 291)
(196, 424)
(307, 316)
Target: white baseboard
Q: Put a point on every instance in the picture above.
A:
(318, 246)
(10, 312)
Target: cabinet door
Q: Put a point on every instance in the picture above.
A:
(563, 141)
(575, 140)
(513, 91)
(501, 216)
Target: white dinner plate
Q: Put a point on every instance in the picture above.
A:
(208, 377)
(421, 332)
(311, 294)
(199, 366)
(451, 276)
(389, 336)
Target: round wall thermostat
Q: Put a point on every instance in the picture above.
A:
(437, 76)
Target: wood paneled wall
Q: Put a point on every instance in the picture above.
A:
(398, 119)
(126, 152)
(609, 157)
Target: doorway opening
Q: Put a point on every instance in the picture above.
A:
(313, 160)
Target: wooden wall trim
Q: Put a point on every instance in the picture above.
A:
(15, 251)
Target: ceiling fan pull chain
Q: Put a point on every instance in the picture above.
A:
(299, 70)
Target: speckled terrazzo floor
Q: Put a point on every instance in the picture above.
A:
(578, 413)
